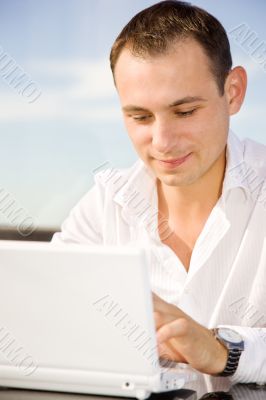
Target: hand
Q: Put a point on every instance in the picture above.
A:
(181, 339)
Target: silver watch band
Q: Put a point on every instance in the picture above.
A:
(232, 362)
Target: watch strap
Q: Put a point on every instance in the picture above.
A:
(232, 362)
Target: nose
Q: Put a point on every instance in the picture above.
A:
(164, 136)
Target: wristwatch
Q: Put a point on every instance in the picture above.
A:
(234, 343)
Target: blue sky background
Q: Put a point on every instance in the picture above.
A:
(49, 148)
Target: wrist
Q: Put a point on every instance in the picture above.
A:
(220, 359)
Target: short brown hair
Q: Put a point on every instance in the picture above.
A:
(153, 30)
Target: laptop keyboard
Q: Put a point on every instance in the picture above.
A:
(175, 375)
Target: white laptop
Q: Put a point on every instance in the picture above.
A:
(79, 319)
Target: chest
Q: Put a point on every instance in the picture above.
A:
(181, 240)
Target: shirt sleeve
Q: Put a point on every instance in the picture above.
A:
(84, 223)
(252, 362)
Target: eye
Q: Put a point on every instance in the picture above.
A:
(185, 113)
(140, 117)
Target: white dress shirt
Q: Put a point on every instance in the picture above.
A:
(226, 281)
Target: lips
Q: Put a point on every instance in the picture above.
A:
(174, 162)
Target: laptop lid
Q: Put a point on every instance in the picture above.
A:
(73, 307)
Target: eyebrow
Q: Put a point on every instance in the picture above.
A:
(184, 100)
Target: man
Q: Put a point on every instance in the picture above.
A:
(190, 197)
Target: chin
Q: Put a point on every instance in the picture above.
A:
(176, 180)
(171, 180)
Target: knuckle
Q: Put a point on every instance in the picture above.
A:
(183, 325)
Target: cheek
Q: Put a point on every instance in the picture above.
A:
(213, 125)
(220, 115)
(213, 134)
(139, 135)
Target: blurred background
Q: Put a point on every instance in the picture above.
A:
(51, 146)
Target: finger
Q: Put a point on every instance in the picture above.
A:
(174, 329)
(169, 352)
(164, 307)
(158, 319)
(161, 319)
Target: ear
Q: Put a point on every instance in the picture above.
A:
(235, 89)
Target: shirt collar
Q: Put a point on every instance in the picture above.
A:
(138, 196)
(236, 170)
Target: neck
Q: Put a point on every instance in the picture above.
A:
(195, 199)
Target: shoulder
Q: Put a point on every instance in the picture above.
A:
(107, 183)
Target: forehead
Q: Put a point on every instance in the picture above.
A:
(184, 68)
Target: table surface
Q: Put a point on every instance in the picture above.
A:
(204, 388)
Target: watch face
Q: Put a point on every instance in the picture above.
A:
(229, 335)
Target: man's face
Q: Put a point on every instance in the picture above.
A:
(173, 112)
